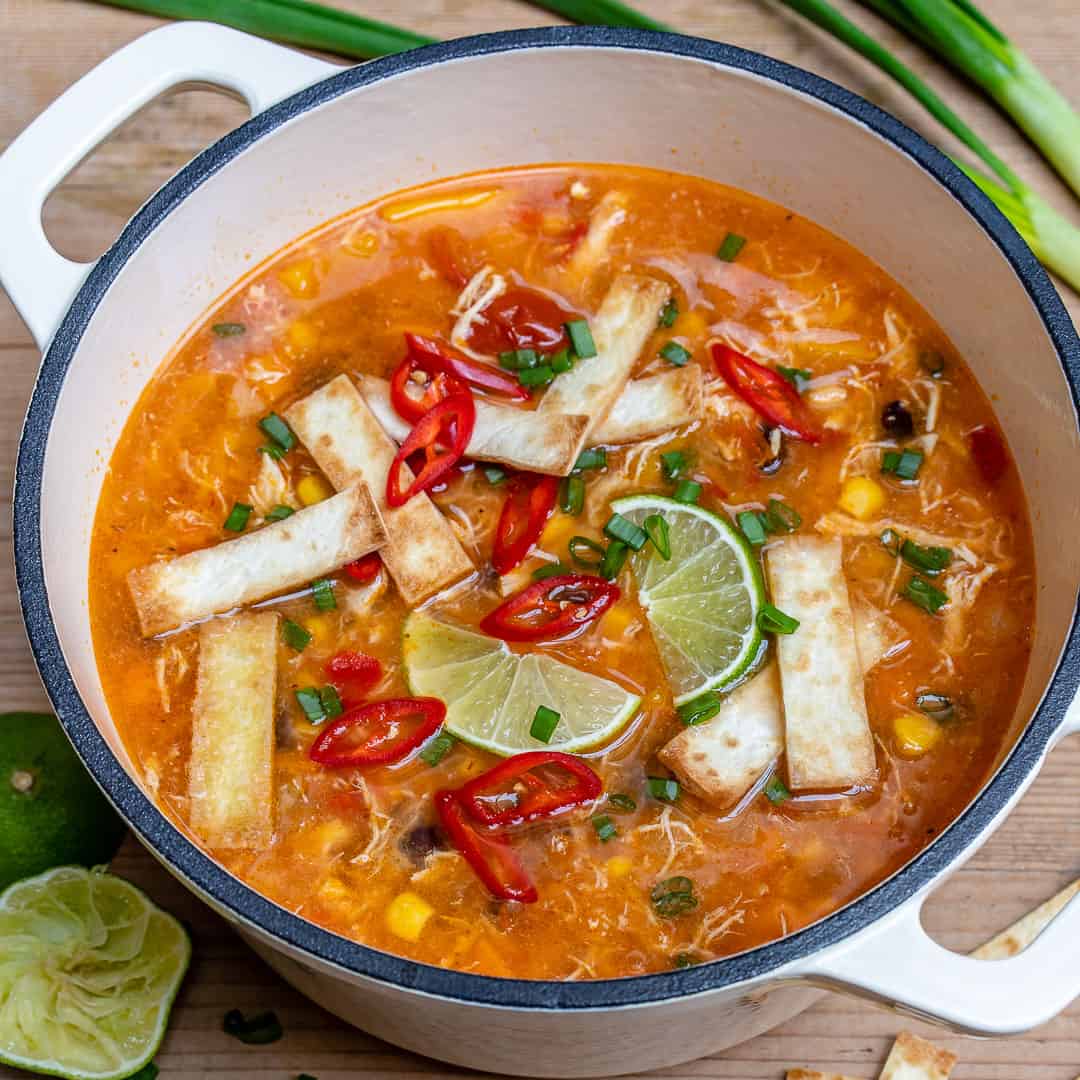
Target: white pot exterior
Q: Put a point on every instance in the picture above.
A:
(576, 96)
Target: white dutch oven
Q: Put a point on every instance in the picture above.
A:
(323, 140)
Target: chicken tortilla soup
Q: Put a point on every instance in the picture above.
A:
(565, 572)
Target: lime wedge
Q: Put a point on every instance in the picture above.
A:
(492, 694)
(89, 967)
(702, 603)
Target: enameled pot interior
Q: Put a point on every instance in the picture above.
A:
(664, 109)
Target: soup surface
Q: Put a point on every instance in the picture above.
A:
(874, 440)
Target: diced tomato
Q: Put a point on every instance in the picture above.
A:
(530, 501)
(364, 569)
(378, 733)
(449, 254)
(442, 436)
(521, 318)
(353, 672)
(551, 609)
(989, 453)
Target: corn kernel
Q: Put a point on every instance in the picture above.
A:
(692, 324)
(313, 489)
(300, 279)
(321, 628)
(407, 915)
(862, 497)
(557, 533)
(915, 734)
(302, 335)
(618, 866)
(363, 243)
(618, 620)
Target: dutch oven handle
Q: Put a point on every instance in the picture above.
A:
(40, 281)
(895, 963)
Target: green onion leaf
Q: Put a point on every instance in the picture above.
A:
(238, 517)
(933, 363)
(922, 594)
(625, 804)
(310, 701)
(605, 828)
(771, 620)
(798, 377)
(296, 637)
(938, 707)
(656, 528)
(684, 960)
(554, 569)
(673, 897)
(561, 362)
(331, 702)
(280, 513)
(581, 339)
(323, 592)
(544, 724)
(752, 525)
(278, 431)
(673, 464)
(903, 464)
(620, 528)
(519, 359)
(580, 544)
(596, 458)
(675, 354)
(494, 475)
(930, 560)
(698, 710)
(781, 518)
(272, 451)
(571, 495)
(613, 560)
(537, 376)
(229, 329)
(663, 788)
(437, 747)
(255, 1031)
(687, 491)
(776, 791)
(732, 244)
(668, 314)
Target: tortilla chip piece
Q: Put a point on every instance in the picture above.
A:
(913, 1058)
(521, 438)
(422, 553)
(625, 321)
(811, 1074)
(653, 405)
(265, 561)
(827, 731)
(231, 771)
(1024, 931)
(722, 759)
(876, 634)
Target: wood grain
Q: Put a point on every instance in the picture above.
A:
(44, 46)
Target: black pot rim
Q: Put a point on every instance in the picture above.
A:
(246, 905)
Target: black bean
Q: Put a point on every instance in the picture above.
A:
(422, 841)
(896, 419)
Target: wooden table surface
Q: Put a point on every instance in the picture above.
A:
(44, 46)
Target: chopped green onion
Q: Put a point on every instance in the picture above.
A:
(238, 517)
(673, 464)
(323, 592)
(732, 244)
(296, 637)
(938, 707)
(781, 518)
(494, 475)
(771, 620)
(684, 960)
(537, 376)
(922, 594)
(577, 543)
(687, 491)
(605, 828)
(278, 431)
(613, 560)
(656, 528)
(698, 710)
(544, 724)
(668, 314)
(930, 560)
(892, 541)
(596, 458)
(798, 377)
(280, 513)
(272, 451)
(625, 804)
(553, 569)
(904, 464)
(309, 700)
(673, 897)
(561, 362)
(663, 788)
(331, 702)
(674, 353)
(572, 495)
(257, 1031)
(581, 339)
(437, 747)
(229, 329)
(620, 528)
(933, 363)
(776, 791)
(519, 359)
(752, 525)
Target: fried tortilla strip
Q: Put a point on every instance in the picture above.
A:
(913, 1058)
(231, 771)
(625, 321)
(653, 405)
(722, 759)
(422, 553)
(876, 634)
(522, 438)
(1023, 932)
(311, 543)
(827, 731)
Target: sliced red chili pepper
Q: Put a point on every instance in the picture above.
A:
(768, 393)
(442, 434)
(521, 318)
(353, 671)
(435, 358)
(529, 787)
(490, 857)
(552, 608)
(988, 450)
(378, 733)
(364, 569)
(530, 500)
(438, 387)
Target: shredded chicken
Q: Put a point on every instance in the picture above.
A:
(271, 487)
(483, 287)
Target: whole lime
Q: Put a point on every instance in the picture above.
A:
(51, 812)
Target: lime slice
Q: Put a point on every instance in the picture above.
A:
(702, 603)
(492, 694)
(89, 967)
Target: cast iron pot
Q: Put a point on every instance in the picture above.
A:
(323, 140)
